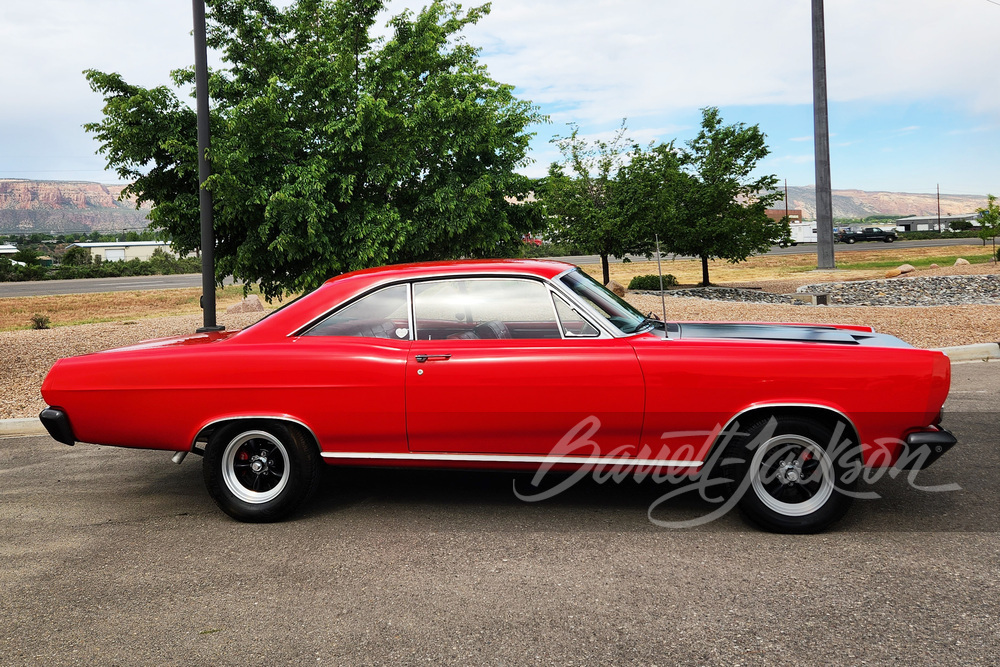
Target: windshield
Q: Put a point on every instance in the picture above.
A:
(613, 308)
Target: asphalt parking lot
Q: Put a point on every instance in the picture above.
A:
(114, 556)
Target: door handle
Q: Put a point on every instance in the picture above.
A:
(421, 358)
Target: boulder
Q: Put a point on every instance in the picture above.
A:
(961, 262)
(616, 288)
(935, 266)
(892, 273)
(251, 304)
(907, 268)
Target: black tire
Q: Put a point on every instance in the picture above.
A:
(889, 239)
(790, 476)
(260, 471)
(849, 240)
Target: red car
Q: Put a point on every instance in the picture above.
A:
(513, 364)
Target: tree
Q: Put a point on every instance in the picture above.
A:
(720, 206)
(584, 204)
(332, 149)
(989, 222)
(76, 256)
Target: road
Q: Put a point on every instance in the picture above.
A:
(91, 285)
(112, 556)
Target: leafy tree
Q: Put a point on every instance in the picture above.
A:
(989, 221)
(76, 256)
(720, 207)
(26, 256)
(332, 149)
(585, 204)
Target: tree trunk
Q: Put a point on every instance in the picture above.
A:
(704, 271)
(606, 269)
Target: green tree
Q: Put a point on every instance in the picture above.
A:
(582, 197)
(26, 256)
(720, 207)
(989, 222)
(332, 149)
(76, 256)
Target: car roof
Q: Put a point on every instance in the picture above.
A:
(542, 268)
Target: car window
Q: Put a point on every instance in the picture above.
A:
(573, 324)
(483, 308)
(610, 306)
(381, 314)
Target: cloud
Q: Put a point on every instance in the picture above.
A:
(807, 138)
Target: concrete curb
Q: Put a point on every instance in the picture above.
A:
(12, 427)
(975, 352)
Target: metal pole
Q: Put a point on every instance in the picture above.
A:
(939, 206)
(204, 170)
(821, 137)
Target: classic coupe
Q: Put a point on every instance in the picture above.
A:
(513, 365)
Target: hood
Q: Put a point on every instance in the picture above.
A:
(796, 333)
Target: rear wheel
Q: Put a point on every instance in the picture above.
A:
(260, 471)
(792, 475)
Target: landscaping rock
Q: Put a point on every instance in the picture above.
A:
(892, 273)
(961, 262)
(935, 266)
(251, 304)
(907, 268)
(616, 288)
(915, 291)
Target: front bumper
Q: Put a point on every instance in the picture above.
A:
(924, 448)
(56, 422)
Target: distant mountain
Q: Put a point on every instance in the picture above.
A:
(860, 204)
(66, 206)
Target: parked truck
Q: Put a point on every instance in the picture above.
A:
(866, 234)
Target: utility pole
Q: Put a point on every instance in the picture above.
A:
(204, 171)
(939, 206)
(821, 138)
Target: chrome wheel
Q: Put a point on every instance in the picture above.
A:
(792, 475)
(255, 467)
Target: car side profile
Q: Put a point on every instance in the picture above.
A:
(494, 364)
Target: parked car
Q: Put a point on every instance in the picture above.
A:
(866, 234)
(492, 364)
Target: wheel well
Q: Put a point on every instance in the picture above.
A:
(201, 440)
(826, 416)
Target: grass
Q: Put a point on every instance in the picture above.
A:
(67, 309)
(862, 264)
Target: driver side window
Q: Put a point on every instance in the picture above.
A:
(483, 308)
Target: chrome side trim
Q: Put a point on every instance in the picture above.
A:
(759, 406)
(239, 417)
(509, 458)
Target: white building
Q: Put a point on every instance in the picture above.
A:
(122, 251)
(929, 223)
(7, 249)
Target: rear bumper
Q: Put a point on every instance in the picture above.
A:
(56, 422)
(924, 448)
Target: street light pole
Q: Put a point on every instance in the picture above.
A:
(821, 138)
(204, 170)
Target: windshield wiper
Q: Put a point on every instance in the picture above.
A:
(648, 321)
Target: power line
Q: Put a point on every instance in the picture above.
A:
(994, 2)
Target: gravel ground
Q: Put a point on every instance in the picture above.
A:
(28, 355)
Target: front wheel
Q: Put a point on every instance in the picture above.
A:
(260, 472)
(793, 474)
(850, 240)
(889, 239)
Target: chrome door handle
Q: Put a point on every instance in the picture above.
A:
(421, 358)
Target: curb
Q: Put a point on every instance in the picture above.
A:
(12, 427)
(975, 352)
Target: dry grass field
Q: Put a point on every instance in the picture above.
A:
(801, 269)
(66, 309)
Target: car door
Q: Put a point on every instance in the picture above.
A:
(494, 371)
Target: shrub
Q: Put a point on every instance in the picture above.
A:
(39, 321)
(651, 282)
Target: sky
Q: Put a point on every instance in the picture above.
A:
(914, 85)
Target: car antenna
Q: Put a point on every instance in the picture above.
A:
(663, 301)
